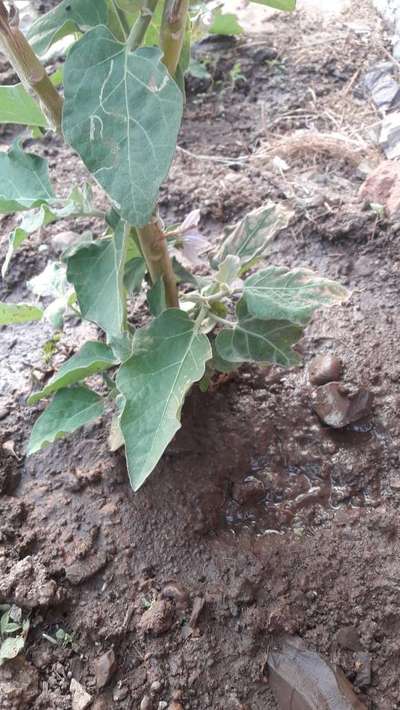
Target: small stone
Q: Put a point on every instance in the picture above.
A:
(104, 668)
(80, 571)
(80, 698)
(382, 187)
(146, 703)
(394, 482)
(158, 618)
(363, 668)
(175, 706)
(348, 637)
(324, 368)
(120, 693)
(27, 585)
(249, 490)
(337, 408)
(155, 687)
(65, 240)
(162, 705)
(389, 137)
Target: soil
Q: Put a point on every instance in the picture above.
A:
(260, 519)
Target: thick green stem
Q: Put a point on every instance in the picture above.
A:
(155, 251)
(141, 25)
(173, 32)
(28, 67)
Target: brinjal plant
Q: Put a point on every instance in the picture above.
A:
(118, 103)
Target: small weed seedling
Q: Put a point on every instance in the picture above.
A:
(121, 112)
(13, 632)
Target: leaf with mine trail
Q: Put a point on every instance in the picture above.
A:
(96, 271)
(24, 180)
(168, 357)
(70, 409)
(92, 357)
(277, 293)
(16, 313)
(18, 107)
(285, 5)
(255, 340)
(68, 18)
(250, 238)
(301, 679)
(122, 114)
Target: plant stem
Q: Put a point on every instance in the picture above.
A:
(28, 67)
(155, 251)
(140, 27)
(173, 32)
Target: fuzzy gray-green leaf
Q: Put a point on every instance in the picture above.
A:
(168, 357)
(67, 18)
(122, 114)
(24, 180)
(97, 274)
(70, 409)
(92, 357)
(255, 340)
(277, 293)
(250, 238)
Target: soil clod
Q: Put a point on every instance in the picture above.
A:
(337, 408)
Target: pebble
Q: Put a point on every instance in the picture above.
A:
(104, 668)
(324, 368)
(337, 408)
(80, 698)
(146, 703)
(175, 706)
(158, 618)
(64, 240)
(120, 693)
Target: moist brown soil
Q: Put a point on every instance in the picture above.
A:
(189, 579)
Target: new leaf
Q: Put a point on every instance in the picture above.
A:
(122, 115)
(279, 294)
(24, 180)
(69, 409)
(168, 357)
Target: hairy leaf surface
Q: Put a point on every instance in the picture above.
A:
(168, 357)
(93, 357)
(122, 115)
(67, 18)
(24, 180)
(278, 293)
(70, 409)
(250, 238)
(255, 340)
(97, 274)
(14, 313)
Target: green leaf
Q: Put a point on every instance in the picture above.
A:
(31, 221)
(225, 24)
(228, 271)
(97, 274)
(168, 357)
(10, 648)
(122, 114)
(70, 409)
(16, 106)
(251, 237)
(285, 5)
(219, 364)
(69, 17)
(156, 298)
(93, 357)
(18, 313)
(135, 271)
(276, 293)
(24, 180)
(254, 340)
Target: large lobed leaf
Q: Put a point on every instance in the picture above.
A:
(93, 357)
(24, 180)
(168, 357)
(97, 274)
(255, 340)
(69, 17)
(122, 115)
(277, 293)
(250, 238)
(70, 409)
